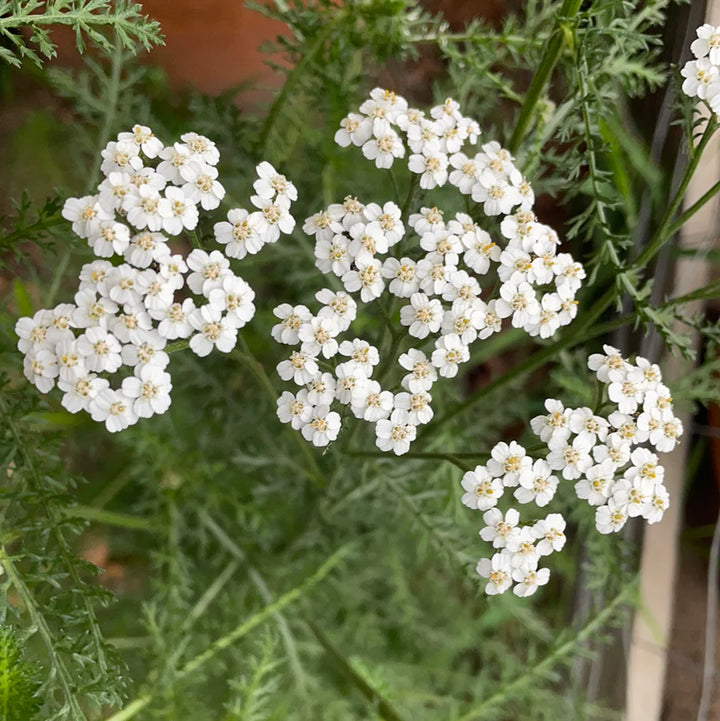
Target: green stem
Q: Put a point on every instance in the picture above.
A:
(567, 13)
(246, 356)
(509, 690)
(380, 704)
(687, 214)
(67, 682)
(110, 518)
(237, 633)
(36, 227)
(663, 231)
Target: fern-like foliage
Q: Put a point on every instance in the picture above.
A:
(58, 592)
(25, 27)
(19, 680)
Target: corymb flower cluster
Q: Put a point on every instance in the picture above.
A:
(702, 75)
(439, 268)
(605, 455)
(124, 313)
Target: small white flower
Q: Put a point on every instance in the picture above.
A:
(610, 518)
(351, 377)
(537, 484)
(610, 367)
(498, 571)
(333, 256)
(318, 336)
(321, 389)
(340, 306)
(422, 373)
(499, 528)
(416, 405)
(482, 491)
(100, 350)
(209, 269)
(150, 390)
(585, 423)
(291, 319)
(550, 531)
(143, 137)
(529, 581)
(404, 281)
(596, 486)
(239, 233)
(507, 462)
(396, 433)
(449, 353)
(300, 367)
(294, 409)
(658, 504)
(78, 393)
(201, 185)
(323, 426)
(384, 145)
(213, 331)
(274, 217)
(178, 211)
(571, 459)
(370, 402)
(113, 408)
(361, 352)
(271, 184)
(175, 324)
(423, 316)
(367, 279)
(40, 368)
(201, 148)
(235, 298)
(556, 424)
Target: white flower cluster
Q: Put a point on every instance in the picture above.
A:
(437, 269)
(124, 313)
(702, 75)
(603, 455)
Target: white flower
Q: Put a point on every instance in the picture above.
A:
(100, 350)
(147, 351)
(272, 184)
(212, 331)
(367, 279)
(40, 368)
(113, 408)
(235, 298)
(317, 335)
(404, 278)
(201, 185)
(423, 316)
(239, 233)
(422, 373)
(433, 272)
(32, 332)
(658, 504)
(519, 300)
(178, 211)
(499, 528)
(596, 486)
(449, 353)
(627, 428)
(291, 319)
(367, 239)
(431, 165)
(173, 159)
(529, 581)
(571, 459)
(389, 219)
(209, 269)
(700, 75)
(143, 137)
(146, 247)
(465, 174)
(498, 571)
(351, 377)
(370, 402)
(175, 324)
(550, 531)
(481, 489)
(464, 319)
(324, 224)
(78, 392)
(355, 129)
(633, 495)
(274, 217)
(395, 434)
(461, 286)
(536, 484)
(384, 145)
(609, 368)
(524, 552)
(556, 424)
(85, 214)
(340, 306)
(665, 438)
(362, 353)
(479, 251)
(301, 367)
(507, 462)
(109, 238)
(321, 389)
(417, 406)
(333, 256)
(626, 394)
(120, 155)
(610, 518)
(294, 409)
(707, 43)
(323, 426)
(91, 310)
(616, 449)
(495, 193)
(201, 148)
(143, 208)
(585, 423)
(150, 388)
(428, 220)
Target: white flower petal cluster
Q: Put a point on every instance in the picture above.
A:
(607, 458)
(702, 75)
(124, 313)
(434, 265)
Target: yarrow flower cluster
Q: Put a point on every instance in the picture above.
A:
(125, 313)
(606, 457)
(702, 75)
(437, 267)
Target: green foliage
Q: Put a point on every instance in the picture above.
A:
(19, 680)
(221, 521)
(91, 20)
